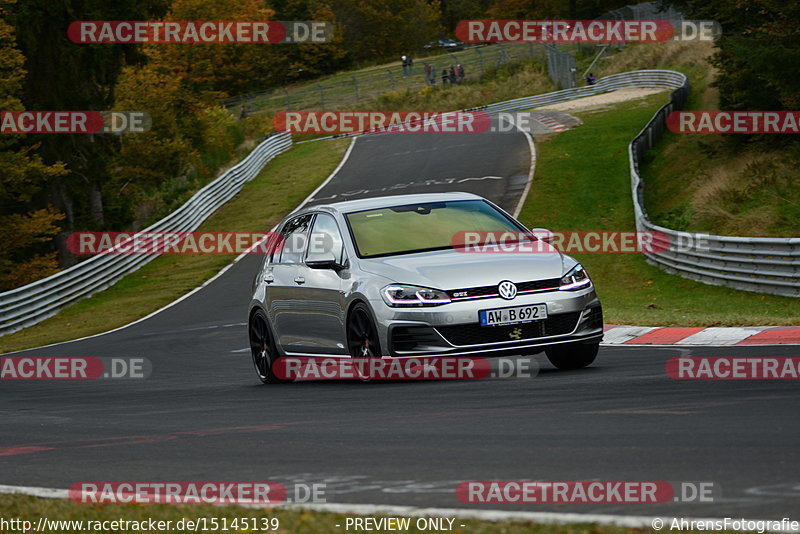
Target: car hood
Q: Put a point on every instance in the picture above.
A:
(450, 269)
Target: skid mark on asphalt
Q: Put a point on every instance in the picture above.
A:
(192, 329)
(687, 407)
(117, 441)
(398, 188)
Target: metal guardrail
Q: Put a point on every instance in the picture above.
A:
(641, 78)
(760, 264)
(32, 303)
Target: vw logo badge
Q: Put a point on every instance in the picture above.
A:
(507, 290)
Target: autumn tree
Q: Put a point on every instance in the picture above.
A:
(389, 28)
(62, 75)
(301, 61)
(26, 248)
(553, 9)
(758, 54)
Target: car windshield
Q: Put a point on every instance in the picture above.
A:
(422, 227)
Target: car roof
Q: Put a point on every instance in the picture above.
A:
(349, 206)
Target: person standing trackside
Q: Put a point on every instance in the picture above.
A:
(460, 73)
(445, 77)
(428, 71)
(405, 65)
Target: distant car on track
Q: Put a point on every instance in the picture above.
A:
(450, 45)
(382, 277)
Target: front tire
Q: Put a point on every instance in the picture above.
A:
(572, 356)
(262, 348)
(362, 337)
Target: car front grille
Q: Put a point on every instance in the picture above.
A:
(474, 334)
(491, 291)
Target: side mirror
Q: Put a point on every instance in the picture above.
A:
(543, 234)
(325, 260)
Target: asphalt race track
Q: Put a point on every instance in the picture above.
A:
(202, 415)
(495, 166)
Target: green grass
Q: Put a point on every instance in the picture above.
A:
(339, 90)
(290, 521)
(281, 186)
(713, 183)
(699, 183)
(582, 182)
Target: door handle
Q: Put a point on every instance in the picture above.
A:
(269, 278)
(300, 280)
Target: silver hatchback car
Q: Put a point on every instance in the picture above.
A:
(386, 278)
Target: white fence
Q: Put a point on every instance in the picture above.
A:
(30, 304)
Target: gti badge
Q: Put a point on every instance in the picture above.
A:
(507, 290)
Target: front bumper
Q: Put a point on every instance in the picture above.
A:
(453, 329)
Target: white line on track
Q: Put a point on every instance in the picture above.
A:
(531, 170)
(329, 178)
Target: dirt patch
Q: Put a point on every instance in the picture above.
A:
(597, 102)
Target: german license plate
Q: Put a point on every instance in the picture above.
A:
(514, 315)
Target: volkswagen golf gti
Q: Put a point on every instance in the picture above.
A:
(388, 278)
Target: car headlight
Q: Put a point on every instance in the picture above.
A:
(576, 278)
(397, 295)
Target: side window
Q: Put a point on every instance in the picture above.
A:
(294, 235)
(325, 238)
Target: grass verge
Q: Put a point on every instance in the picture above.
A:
(582, 183)
(290, 521)
(281, 186)
(718, 184)
(362, 86)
